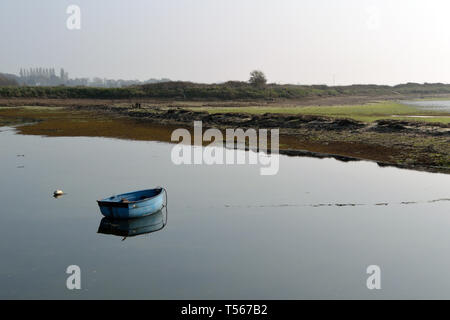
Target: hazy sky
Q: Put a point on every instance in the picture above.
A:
(295, 41)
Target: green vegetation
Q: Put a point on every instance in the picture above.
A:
(67, 92)
(231, 90)
(367, 112)
(257, 78)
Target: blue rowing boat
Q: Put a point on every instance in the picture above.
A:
(133, 204)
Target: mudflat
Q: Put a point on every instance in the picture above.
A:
(401, 142)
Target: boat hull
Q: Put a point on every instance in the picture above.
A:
(114, 209)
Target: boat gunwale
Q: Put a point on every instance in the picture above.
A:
(107, 203)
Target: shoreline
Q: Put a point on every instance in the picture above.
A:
(171, 102)
(402, 144)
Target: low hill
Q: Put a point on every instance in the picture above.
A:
(232, 90)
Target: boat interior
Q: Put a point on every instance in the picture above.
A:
(135, 196)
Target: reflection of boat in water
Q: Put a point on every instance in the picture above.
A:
(133, 204)
(134, 227)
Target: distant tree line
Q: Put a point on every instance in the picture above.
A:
(226, 91)
(48, 77)
(255, 88)
(42, 77)
(7, 80)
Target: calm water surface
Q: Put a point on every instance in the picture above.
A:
(435, 105)
(231, 233)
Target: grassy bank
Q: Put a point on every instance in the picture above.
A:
(406, 145)
(231, 90)
(366, 113)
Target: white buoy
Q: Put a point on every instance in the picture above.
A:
(58, 193)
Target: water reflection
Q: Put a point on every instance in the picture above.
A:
(134, 227)
(228, 219)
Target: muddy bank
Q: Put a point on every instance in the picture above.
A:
(285, 121)
(421, 146)
(406, 144)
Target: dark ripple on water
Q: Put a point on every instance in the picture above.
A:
(337, 204)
